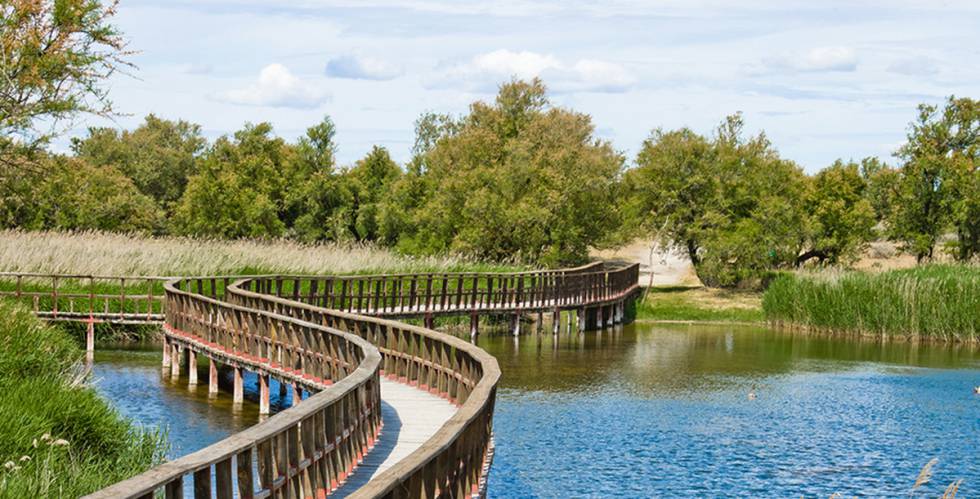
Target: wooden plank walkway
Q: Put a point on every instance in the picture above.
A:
(411, 417)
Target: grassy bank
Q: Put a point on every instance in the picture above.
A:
(57, 437)
(123, 255)
(936, 302)
(699, 304)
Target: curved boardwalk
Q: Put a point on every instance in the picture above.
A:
(395, 410)
(410, 417)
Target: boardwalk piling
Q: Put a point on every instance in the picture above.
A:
(263, 394)
(238, 395)
(212, 377)
(191, 367)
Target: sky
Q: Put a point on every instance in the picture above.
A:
(824, 80)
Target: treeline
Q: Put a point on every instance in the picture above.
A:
(520, 179)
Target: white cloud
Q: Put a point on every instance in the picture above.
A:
(818, 59)
(361, 68)
(830, 59)
(915, 66)
(485, 71)
(277, 87)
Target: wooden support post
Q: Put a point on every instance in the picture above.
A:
(297, 394)
(474, 324)
(429, 321)
(598, 317)
(238, 395)
(191, 367)
(212, 377)
(263, 394)
(568, 321)
(556, 321)
(90, 340)
(166, 352)
(581, 319)
(516, 324)
(175, 361)
(539, 325)
(611, 315)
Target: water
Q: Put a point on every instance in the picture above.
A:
(133, 381)
(663, 411)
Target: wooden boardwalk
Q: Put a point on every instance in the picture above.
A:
(410, 417)
(358, 434)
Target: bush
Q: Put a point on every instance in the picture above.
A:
(57, 437)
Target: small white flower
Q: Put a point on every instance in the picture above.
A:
(9, 465)
(25, 458)
(60, 441)
(35, 443)
(46, 437)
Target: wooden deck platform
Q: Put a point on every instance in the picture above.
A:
(411, 416)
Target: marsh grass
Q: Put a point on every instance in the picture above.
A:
(57, 437)
(939, 302)
(99, 253)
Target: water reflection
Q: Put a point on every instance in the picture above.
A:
(663, 411)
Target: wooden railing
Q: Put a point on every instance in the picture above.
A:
(453, 461)
(63, 297)
(411, 295)
(304, 450)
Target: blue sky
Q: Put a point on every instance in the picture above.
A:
(824, 79)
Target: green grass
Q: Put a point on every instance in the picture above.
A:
(57, 437)
(699, 304)
(934, 301)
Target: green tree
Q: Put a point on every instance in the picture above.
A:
(239, 190)
(840, 216)
(939, 154)
(516, 178)
(730, 202)
(319, 200)
(55, 56)
(159, 155)
(881, 182)
(370, 180)
(75, 195)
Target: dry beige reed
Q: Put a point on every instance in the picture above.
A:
(123, 255)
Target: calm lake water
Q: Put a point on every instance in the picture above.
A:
(663, 411)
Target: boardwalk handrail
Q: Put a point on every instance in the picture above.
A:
(304, 448)
(451, 462)
(452, 293)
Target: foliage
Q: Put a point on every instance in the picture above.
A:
(932, 301)
(880, 182)
(370, 180)
(938, 179)
(840, 217)
(158, 156)
(54, 57)
(730, 202)
(516, 178)
(239, 190)
(67, 193)
(74, 442)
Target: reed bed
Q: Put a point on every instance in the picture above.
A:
(940, 302)
(58, 438)
(100, 253)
